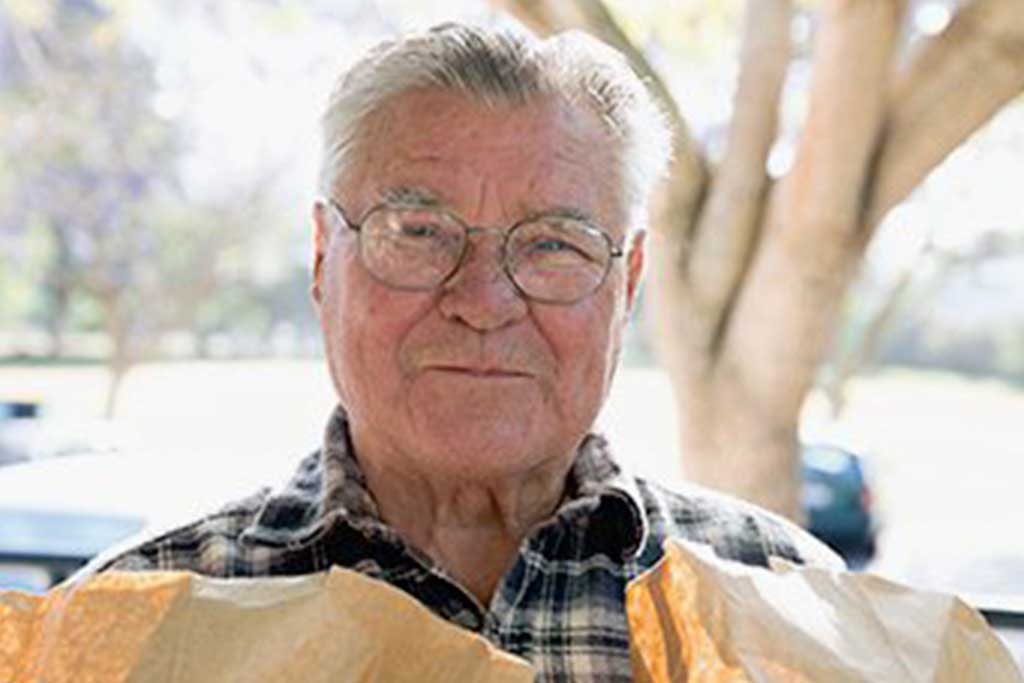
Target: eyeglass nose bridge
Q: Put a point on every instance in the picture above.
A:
(503, 267)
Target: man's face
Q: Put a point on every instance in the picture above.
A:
(471, 380)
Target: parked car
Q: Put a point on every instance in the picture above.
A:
(18, 409)
(838, 503)
(56, 513)
(27, 437)
(39, 549)
(1005, 615)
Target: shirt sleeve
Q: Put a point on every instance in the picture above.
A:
(119, 557)
(815, 553)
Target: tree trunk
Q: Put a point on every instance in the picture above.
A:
(55, 324)
(59, 288)
(748, 274)
(121, 356)
(117, 371)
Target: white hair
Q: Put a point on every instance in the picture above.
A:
(504, 67)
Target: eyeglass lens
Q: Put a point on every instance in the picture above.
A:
(551, 259)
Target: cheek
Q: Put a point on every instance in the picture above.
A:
(364, 326)
(347, 322)
(585, 343)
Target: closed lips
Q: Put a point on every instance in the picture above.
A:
(479, 372)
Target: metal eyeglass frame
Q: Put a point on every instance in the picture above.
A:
(614, 251)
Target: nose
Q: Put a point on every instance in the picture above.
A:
(480, 293)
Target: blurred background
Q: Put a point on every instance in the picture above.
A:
(157, 168)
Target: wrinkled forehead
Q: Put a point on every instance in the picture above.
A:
(489, 162)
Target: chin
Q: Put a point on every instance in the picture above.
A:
(486, 414)
(482, 448)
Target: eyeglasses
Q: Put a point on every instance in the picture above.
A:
(549, 258)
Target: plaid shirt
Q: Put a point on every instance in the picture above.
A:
(561, 605)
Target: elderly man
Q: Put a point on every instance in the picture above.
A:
(478, 249)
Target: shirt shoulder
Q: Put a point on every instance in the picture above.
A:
(735, 529)
(209, 545)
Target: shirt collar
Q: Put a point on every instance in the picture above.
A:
(329, 487)
(600, 488)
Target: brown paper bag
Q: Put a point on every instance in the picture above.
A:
(181, 628)
(695, 618)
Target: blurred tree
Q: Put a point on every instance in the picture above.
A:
(96, 170)
(89, 153)
(749, 268)
(889, 309)
(966, 315)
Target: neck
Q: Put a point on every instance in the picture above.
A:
(472, 528)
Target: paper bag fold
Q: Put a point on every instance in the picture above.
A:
(695, 618)
(171, 627)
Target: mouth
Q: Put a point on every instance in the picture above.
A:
(482, 373)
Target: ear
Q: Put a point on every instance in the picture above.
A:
(321, 239)
(634, 267)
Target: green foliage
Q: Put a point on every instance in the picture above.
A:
(17, 297)
(94, 211)
(90, 153)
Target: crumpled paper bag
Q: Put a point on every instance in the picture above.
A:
(175, 627)
(695, 618)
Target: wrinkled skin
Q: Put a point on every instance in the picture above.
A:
(467, 403)
(471, 380)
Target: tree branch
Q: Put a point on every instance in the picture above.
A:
(851, 361)
(806, 256)
(852, 57)
(954, 84)
(730, 218)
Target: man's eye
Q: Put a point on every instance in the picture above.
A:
(553, 245)
(420, 230)
(555, 248)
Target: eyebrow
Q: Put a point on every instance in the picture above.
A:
(565, 211)
(418, 196)
(410, 195)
